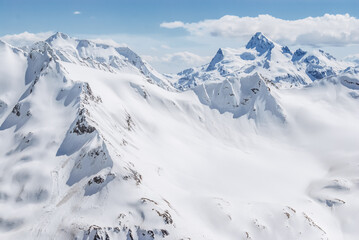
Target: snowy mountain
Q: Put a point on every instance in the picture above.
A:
(103, 56)
(273, 65)
(98, 145)
(274, 62)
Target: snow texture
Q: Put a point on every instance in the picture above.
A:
(261, 143)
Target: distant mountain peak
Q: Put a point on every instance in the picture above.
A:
(327, 55)
(298, 54)
(58, 35)
(286, 49)
(216, 59)
(260, 43)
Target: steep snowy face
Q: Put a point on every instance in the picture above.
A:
(249, 96)
(104, 57)
(217, 58)
(274, 62)
(260, 43)
(66, 145)
(298, 54)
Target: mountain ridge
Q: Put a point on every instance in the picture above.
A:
(97, 149)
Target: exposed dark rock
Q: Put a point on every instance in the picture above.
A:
(97, 179)
(312, 223)
(164, 233)
(255, 90)
(16, 110)
(129, 122)
(167, 218)
(96, 233)
(82, 126)
(88, 94)
(145, 200)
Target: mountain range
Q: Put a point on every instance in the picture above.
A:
(260, 143)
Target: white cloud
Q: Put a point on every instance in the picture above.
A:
(108, 41)
(352, 58)
(175, 24)
(165, 46)
(25, 38)
(77, 12)
(179, 57)
(174, 62)
(185, 57)
(150, 58)
(336, 30)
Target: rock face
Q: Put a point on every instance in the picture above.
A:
(258, 144)
(261, 44)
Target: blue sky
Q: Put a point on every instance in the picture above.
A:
(137, 23)
(144, 16)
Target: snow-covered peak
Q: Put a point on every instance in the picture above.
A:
(260, 43)
(286, 49)
(273, 61)
(216, 59)
(58, 35)
(103, 56)
(298, 54)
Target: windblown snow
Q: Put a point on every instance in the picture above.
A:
(260, 143)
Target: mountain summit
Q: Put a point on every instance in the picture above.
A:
(260, 43)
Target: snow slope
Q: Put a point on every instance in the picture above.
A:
(91, 149)
(103, 56)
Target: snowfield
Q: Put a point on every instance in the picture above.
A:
(260, 143)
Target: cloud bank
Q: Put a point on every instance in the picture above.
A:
(352, 58)
(25, 38)
(333, 30)
(174, 62)
(179, 57)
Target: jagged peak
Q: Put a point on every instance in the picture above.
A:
(327, 55)
(298, 54)
(260, 42)
(41, 46)
(58, 35)
(216, 59)
(286, 49)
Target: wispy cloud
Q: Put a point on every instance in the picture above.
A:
(175, 24)
(164, 46)
(335, 30)
(177, 61)
(186, 57)
(352, 58)
(76, 12)
(25, 38)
